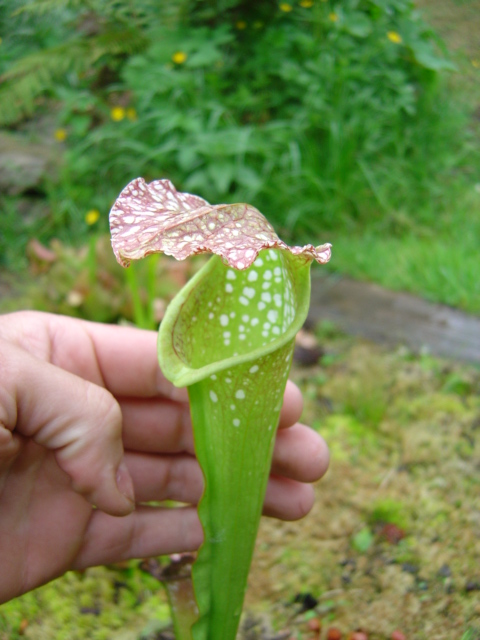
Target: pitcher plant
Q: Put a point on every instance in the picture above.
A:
(228, 336)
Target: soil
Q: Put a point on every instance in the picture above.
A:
(393, 542)
(457, 21)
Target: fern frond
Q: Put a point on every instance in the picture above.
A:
(39, 72)
(110, 9)
(43, 7)
(36, 73)
(117, 42)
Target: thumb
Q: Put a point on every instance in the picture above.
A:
(76, 419)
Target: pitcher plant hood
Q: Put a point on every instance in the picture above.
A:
(156, 218)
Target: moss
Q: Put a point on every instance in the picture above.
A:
(93, 605)
(347, 437)
(429, 406)
(389, 510)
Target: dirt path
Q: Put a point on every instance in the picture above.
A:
(457, 21)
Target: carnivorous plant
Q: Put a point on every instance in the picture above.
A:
(228, 336)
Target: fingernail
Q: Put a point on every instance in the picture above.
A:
(125, 483)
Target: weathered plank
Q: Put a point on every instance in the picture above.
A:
(383, 316)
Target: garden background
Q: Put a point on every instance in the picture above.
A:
(353, 122)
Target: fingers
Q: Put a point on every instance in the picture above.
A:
(146, 532)
(122, 359)
(77, 420)
(157, 426)
(9, 450)
(156, 531)
(292, 406)
(163, 426)
(300, 458)
(9, 446)
(287, 499)
(158, 478)
(300, 454)
(127, 357)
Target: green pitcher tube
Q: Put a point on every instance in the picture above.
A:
(228, 336)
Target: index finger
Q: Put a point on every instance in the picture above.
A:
(165, 427)
(127, 358)
(121, 359)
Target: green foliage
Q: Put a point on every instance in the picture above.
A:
(438, 262)
(324, 115)
(83, 41)
(472, 633)
(312, 95)
(293, 111)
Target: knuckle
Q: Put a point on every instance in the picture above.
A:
(107, 411)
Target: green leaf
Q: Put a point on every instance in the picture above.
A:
(426, 57)
(221, 175)
(363, 540)
(357, 24)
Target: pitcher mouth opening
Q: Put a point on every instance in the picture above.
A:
(225, 316)
(234, 313)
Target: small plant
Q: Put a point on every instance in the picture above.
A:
(228, 336)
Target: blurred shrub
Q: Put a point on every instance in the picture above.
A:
(50, 42)
(318, 112)
(87, 282)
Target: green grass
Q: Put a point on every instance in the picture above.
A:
(438, 263)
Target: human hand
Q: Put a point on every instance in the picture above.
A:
(86, 418)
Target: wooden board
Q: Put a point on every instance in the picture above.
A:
(367, 310)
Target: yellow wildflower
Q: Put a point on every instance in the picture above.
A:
(60, 135)
(306, 4)
(179, 57)
(333, 17)
(286, 7)
(258, 24)
(475, 63)
(92, 216)
(117, 114)
(131, 114)
(241, 25)
(394, 37)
